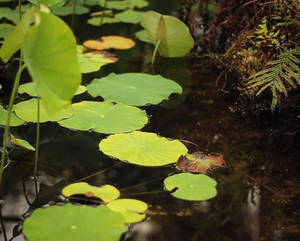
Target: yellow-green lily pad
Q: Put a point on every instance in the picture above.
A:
(14, 120)
(22, 143)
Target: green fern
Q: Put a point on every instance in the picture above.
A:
(278, 76)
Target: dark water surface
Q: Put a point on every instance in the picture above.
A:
(258, 190)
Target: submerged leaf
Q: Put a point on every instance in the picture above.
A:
(14, 120)
(22, 143)
(27, 111)
(107, 193)
(170, 33)
(200, 162)
(132, 210)
(143, 148)
(50, 54)
(192, 187)
(105, 117)
(108, 42)
(134, 88)
(74, 223)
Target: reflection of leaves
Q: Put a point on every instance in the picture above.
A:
(192, 187)
(108, 42)
(74, 223)
(200, 162)
(107, 193)
(132, 210)
(143, 148)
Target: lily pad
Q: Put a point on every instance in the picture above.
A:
(93, 61)
(123, 4)
(107, 193)
(105, 117)
(130, 16)
(170, 34)
(200, 162)
(192, 187)
(22, 143)
(6, 29)
(134, 88)
(143, 148)
(132, 210)
(74, 223)
(48, 3)
(108, 42)
(9, 14)
(68, 10)
(14, 120)
(96, 21)
(27, 111)
(142, 36)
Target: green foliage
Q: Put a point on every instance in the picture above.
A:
(192, 187)
(14, 120)
(278, 76)
(143, 148)
(22, 143)
(134, 88)
(6, 29)
(74, 223)
(123, 4)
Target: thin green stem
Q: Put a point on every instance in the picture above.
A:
(73, 13)
(104, 8)
(20, 9)
(37, 141)
(155, 52)
(10, 105)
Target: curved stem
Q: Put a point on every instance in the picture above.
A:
(37, 141)
(155, 52)
(10, 105)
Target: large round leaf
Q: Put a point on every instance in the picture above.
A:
(134, 88)
(192, 187)
(143, 148)
(105, 117)
(132, 210)
(106, 193)
(14, 120)
(27, 111)
(170, 33)
(50, 54)
(74, 223)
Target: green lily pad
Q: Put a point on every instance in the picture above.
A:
(105, 117)
(130, 16)
(27, 111)
(123, 4)
(172, 35)
(22, 143)
(107, 193)
(132, 210)
(14, 120)
(10, 14)
(29, 88)
(142, 36)
(74, 223)
(6, 29)
(143, 148)
(68, 10)
(134, 88)
(53, 65)
(48, 3)
(192, 187)
(97, 21)
(93, 61)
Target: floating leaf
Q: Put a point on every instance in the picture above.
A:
(172, 35)
(200, 162)
(107, 193)
(102, 20)
(48, 3)
(50, 54)
(6, 29)
(192, 187)
(132, 210)
(123, 4)
(108, 42)
(134, 88)
(130, 16)
(27, 111)
(74, 223)
(143, 148)
(14, 120)
(9, 14)
(29, 88)
(142, 36)
(105, 117)
(93, 61)
(22, 143)
(68, 10)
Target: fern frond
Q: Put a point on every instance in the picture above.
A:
(278, 76)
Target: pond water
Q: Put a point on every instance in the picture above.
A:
(257, 189)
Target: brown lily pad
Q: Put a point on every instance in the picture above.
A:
(200, 162)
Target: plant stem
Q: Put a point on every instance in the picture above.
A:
(104, 8)
(10, 105)
(155, 52)
(37, 141)
(73, 13)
